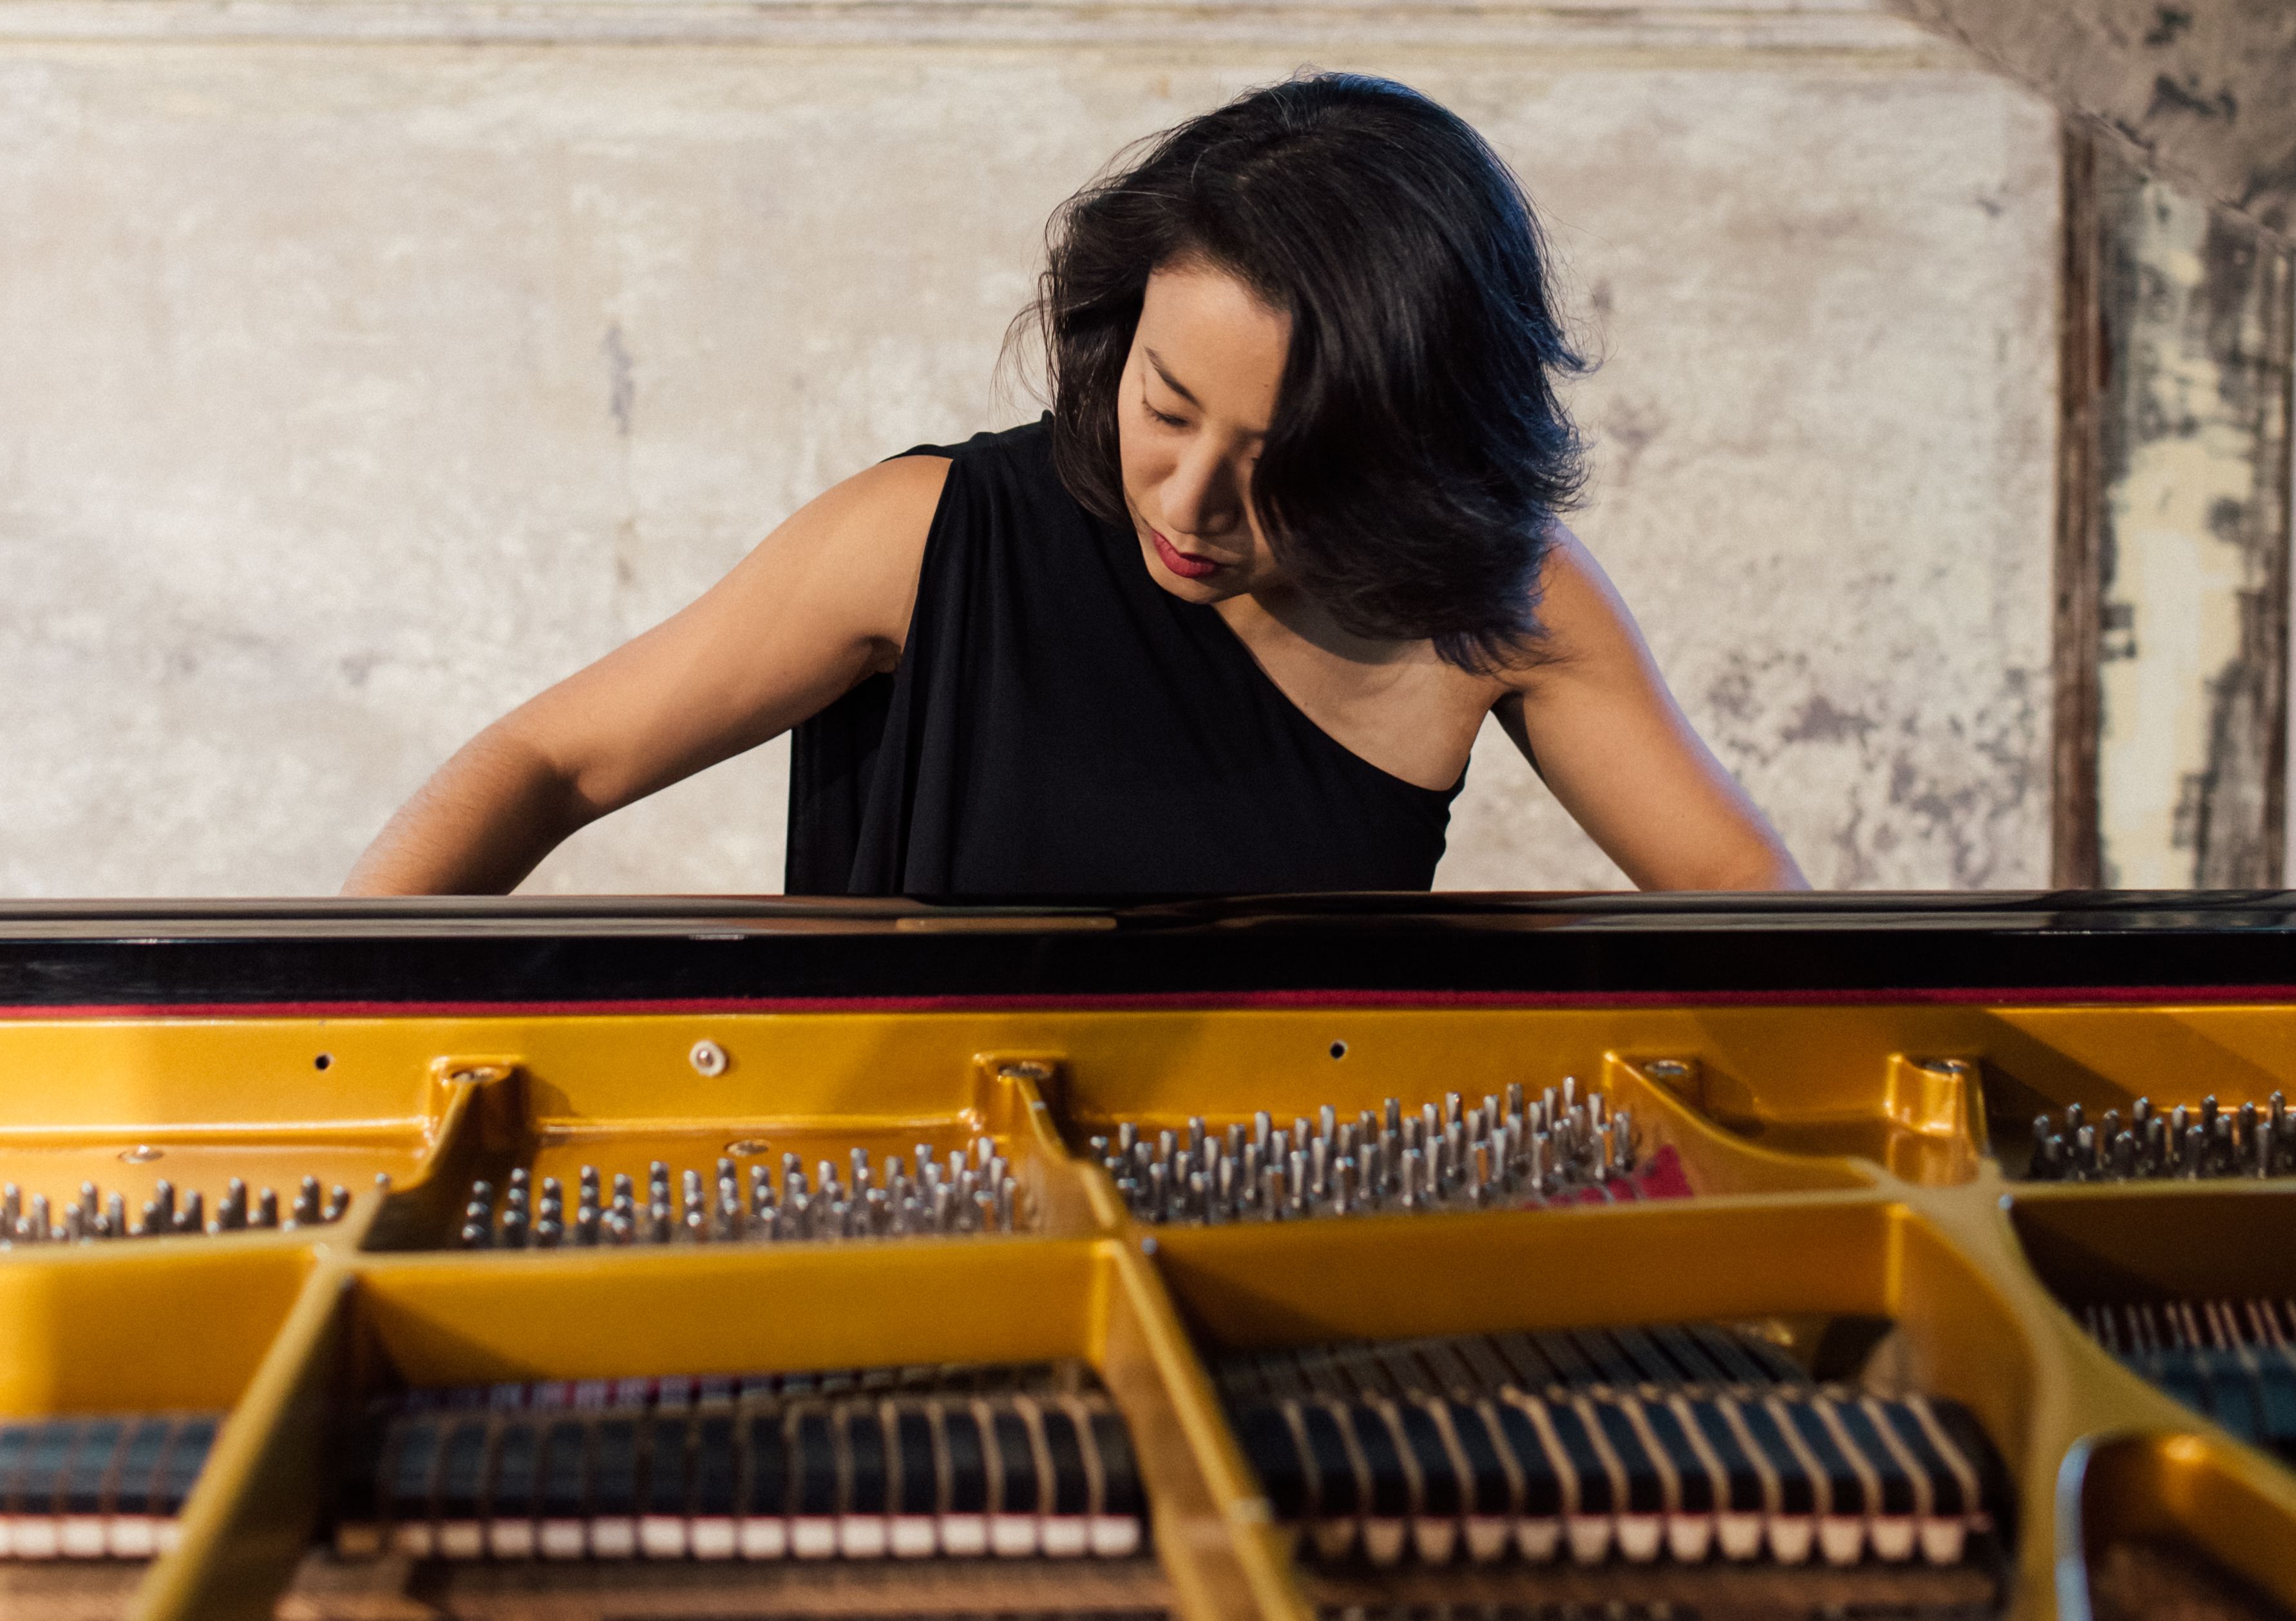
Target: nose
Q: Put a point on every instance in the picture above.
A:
(1202, 495)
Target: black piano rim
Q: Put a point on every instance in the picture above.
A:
(766, 954)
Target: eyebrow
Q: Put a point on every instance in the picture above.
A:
(1170, 381)
(1176, 386)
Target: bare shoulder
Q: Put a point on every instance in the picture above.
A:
(850, 556)
(910, 485)
(1588, 628)
(887, 508)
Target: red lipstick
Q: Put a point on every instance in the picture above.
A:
(1178, 562)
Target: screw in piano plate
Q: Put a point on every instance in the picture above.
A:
(707, 1059)
(143, 1153)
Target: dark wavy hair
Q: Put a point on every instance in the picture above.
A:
(1419, 451)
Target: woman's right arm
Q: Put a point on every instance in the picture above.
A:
(821, 603)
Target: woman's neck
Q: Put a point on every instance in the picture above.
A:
(1280, 609)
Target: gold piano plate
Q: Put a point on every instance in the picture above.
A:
(1840, 1160)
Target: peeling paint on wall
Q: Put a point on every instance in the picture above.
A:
(2195, 555)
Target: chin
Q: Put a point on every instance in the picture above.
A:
(1191, 591)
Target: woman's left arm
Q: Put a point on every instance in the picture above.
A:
(1598, 721)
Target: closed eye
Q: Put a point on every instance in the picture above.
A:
(1164, 417)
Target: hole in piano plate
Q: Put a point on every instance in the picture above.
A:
(1776, 1468)
(98, 1463)
(2145, 1578)
(1339, 1049)
(1007, 1490)
(2191, 1291)
(92, 1498)
(325, 1061)
(2159, 1520)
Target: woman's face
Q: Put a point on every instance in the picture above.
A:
(1198, 392)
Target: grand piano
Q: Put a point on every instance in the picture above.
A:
(1301, 1258)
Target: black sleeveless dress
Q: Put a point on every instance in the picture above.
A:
(1062, 724)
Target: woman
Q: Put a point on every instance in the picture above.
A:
(1227, 619)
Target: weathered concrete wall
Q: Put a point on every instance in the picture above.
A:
(354, 390)
(2200, 92)
(1825, 424)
